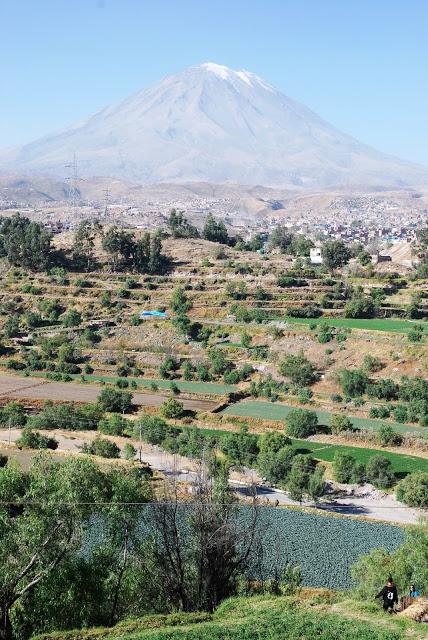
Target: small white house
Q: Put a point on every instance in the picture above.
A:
(315, 255)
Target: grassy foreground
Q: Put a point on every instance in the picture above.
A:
(322, 615)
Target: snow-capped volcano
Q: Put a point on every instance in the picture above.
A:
(211, 123)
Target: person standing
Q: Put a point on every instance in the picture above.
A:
(413, 592)
(389, 595)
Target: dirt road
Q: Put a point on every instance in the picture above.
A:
(383, 507)
(42, 389)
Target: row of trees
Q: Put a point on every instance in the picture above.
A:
(140, 556)
(28, 244)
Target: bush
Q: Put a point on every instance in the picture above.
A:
(301, 423)
(307, 311)
(379, 472)
(113, 425)
(387, 436)
(354, 382)
(339, 423)
(299, 369)
(172, 409)
(380, 412)
(129, 451)
(103, 448)
(400, 413)
(383, 389)
(371, 364)
(30, 439)
(360, 307)
(72, 318)
(115, 401)
(413, 490)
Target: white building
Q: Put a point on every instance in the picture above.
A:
(315, 255)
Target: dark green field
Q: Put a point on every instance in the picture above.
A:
(389, 325)
(276, 411)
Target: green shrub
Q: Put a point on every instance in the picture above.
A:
(103, 448)
(30, 439)
(301, 423)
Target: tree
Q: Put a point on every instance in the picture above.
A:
(25, 244)
(301, 423)
(281, 239)
(340, 423)
(113, 425)
(275, 464)
(413, 490)
(343, 467)
(408, 564)
(180, 303)
(158, 262)
(72, 318)
(301, 246)
(317, 484)
(172, 409)
(11, 327)
(198, 570)
(354, 382)
(13, 415)
(180, 227)
(240, 448)
(215, 231)
(119, 246)
(55, 501)
(84, 243)
(108, 583)
(299, 477)
(115, 401)
(299, 369)
(360, 307)
(335, 254)
(387, 436)
(379, 472)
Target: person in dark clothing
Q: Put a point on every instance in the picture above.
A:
(389, 596)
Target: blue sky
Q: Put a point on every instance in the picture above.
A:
(360, 64)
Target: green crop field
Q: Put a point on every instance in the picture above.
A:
(276, 411)
(324, 546)
(401, 464)
(214, 388)
(389, 325)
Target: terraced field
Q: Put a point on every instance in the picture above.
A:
(388, 325)
(277, 411)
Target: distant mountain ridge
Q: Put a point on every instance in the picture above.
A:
(212, 124)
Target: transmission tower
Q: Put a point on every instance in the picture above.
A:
(106, 202)
(72, 181)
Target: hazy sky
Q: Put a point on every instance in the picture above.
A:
(360, 64)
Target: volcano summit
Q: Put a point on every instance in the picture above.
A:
(210, 123)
